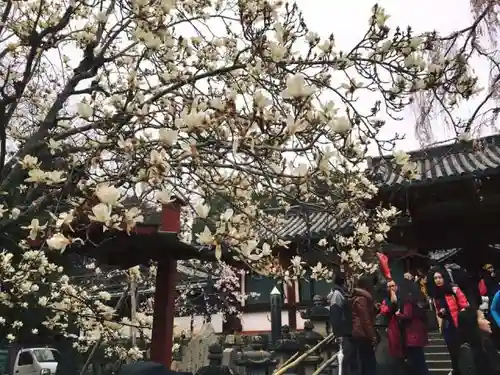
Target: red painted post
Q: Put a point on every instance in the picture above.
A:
(164, 311)
(166, 279)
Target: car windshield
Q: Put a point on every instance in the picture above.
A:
(45, 355)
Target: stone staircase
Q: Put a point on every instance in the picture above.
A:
(436, 355)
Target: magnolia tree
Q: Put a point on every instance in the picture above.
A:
(476, 44)
(104, 99)
(197, 295)
(216, 290)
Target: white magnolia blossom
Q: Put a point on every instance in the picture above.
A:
(104, 102)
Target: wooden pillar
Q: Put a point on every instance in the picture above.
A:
(165, 293)
(292, 303)
(164, 312)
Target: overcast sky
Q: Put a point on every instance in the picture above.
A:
(348, 21)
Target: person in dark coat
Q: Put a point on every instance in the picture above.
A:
(364, 334)
(341, 322)
(461, 278)
(478, 355)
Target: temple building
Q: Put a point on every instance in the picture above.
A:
(449, 211)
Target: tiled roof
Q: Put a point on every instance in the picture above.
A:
(442, 255)
(464, 159)
(300, 221)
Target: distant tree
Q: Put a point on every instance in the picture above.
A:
(471, 46)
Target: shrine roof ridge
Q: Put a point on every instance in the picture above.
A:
(465, 159)
(302, 220)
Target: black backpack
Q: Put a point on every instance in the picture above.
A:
(341, 316)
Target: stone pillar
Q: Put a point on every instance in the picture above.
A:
(229, 358)
(319, 315)
(286, 347)
(276, 304)
(255, 359)
(215, 366)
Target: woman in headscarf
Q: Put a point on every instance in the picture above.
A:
(478, 355)
(448, 301)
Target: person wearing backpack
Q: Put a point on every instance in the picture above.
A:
(448, 300)
(364, 334)
(341, 322)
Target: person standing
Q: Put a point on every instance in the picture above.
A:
(488, 284)
(364, 334)
(478, 355)
(448, 300)
(421, 279)
(390, 308)
(461, 278)
(495, 308)
(494, 317)
(341, 322)
(407, 329)
(413, 319)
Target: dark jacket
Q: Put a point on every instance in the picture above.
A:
(340, 312)
(363, 316)
(478, 361)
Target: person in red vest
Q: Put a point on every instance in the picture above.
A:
(448, 301)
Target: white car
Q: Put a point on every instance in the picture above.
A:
(36, 361)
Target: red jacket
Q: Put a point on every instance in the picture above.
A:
(394, 335)
(409, 325)
(456, 302)
(415, 323)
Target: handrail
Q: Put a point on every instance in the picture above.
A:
(324, 364)
(294, 363)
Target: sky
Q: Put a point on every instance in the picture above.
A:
(348, 20)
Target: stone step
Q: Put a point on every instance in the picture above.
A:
(440, 371)
(439, 364)
(436, 341)
(436, 349)
(437, 356)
